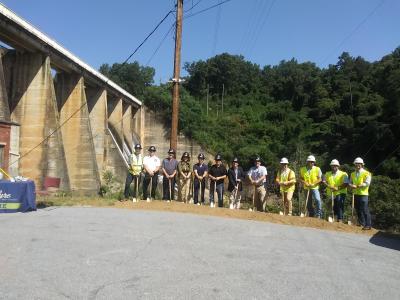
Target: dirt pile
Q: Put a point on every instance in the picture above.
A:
(243, 214)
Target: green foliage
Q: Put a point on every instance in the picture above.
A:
(111, 188)
(384, 202)
(131, 76)
(292, 109)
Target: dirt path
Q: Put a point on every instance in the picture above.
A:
(243, 214)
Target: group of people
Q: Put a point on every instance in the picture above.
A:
(199, 174)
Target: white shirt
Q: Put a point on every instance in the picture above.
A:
(151, 162)
(256, 173)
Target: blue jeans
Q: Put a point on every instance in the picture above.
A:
(220, 193)
(314, 194)
(361, 204)
(338, 206)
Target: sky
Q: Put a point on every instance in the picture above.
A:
(265, 32)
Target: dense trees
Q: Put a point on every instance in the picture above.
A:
(351, 108)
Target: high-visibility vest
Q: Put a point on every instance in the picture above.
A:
(363, 191)
(284, 177)
(136, 164)
(310, 177)
(336, 181)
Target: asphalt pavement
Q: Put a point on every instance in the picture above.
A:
(107, 253)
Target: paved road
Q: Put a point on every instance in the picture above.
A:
(106, 253)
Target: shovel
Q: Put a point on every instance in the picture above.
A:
(352, 211)
(215, 192)
(305, 209)
(283, 204)
(170, 190)
(331, 219)
(151, 188)
(137, 189)
(200, 194)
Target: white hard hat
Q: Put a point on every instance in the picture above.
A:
(335, 162)
(284, 160)
(358, 160)
(311, 158)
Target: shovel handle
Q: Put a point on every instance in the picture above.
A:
(305, 209)
(170, 190)
(151, 186)
(137, 187)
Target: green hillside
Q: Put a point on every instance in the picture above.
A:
(292, 109)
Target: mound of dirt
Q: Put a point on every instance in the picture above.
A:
(243, 214)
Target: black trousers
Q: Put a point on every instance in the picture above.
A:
(166, 195)
(136, 184)
(196, 187)
(146, 183)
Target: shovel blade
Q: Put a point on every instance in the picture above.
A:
(301, 215)
(281, 213)
(330, 219)
(348, 222)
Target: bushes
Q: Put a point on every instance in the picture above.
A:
(384, 203)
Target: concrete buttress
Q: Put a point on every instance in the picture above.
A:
(77, 134)
(33, 106)
(97, 104)
(127, 124)
(115, 162)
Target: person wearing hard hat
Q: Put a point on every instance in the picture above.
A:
(217, 175)
(360, 181)
(185, 175)
(151, 165)
(258, 176)
(286, 178)
(311, 177)
(169, 168)
(135, 168)
(236, 177)
(200, 171)
(336, 182)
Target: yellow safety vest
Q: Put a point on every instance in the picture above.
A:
(136, 165)
(363, 191)
(310, 177)
(336, 181)
(284, 177)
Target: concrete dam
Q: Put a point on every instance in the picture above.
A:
(61, 118)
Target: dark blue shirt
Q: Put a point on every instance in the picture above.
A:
(200, 168)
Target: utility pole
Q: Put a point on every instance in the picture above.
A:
(176, 79)
(222, 100)
(208, 90)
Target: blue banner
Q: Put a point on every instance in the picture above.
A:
(17, 196)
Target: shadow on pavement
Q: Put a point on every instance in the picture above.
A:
(386, 240)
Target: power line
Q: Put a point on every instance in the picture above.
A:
(193, 6)
(353, 31)
(258, 17)
(262, 26)
(85, 103)
(147, 37)
(216, 29)
(390, 154)
(206, 9)
(247, 30)
(47, 137)
(159, 45)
